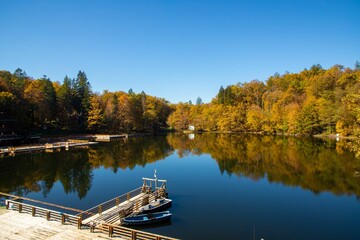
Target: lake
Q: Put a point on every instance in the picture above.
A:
(223, 186)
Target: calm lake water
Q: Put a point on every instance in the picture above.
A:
(223, 186)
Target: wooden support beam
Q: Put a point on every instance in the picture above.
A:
(20, 207)
(48, 215)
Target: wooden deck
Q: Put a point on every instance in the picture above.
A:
(15, 226)
(103, 218)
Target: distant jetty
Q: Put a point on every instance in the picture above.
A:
(48, 147)
(59, 143)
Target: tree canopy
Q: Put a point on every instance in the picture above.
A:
(313, 101)
(71, 105)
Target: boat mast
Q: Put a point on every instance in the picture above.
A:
(156, 180)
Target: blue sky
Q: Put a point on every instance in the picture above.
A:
(176, 49)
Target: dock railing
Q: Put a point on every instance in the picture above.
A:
(109, 228)
(129, 233)
(75, 220)
(116, 201)
(36, 211)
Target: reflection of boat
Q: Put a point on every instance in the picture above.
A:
(157, 205)
(152, 225)
(149, 218)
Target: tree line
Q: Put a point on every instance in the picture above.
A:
(314, 101)
(72, 106)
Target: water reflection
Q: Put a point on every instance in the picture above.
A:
(74, 169)
(314, 164)
(38, 173)
(130, 152)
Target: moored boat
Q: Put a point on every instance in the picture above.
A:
(156, 206)
(148, 218)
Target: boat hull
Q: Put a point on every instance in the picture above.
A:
(158, 205)
(145, 219)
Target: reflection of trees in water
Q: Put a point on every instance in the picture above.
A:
(129, 153)
(38, 172)
(318, 165)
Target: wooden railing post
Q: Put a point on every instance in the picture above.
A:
(100, 209)
(20, 207)
(133, 235)
(111, 230)
(48, 215)
(33, 211)
(117, 201)
(79, 222)
(7, 204)
(62, 219)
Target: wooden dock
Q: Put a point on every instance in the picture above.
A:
(103, 218)
(48, 147)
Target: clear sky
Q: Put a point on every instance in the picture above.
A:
(176, 49)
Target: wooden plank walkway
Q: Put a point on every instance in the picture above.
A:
(113, 214)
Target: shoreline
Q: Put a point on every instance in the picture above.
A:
(331, 136)
(48, 139)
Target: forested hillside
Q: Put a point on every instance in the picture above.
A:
(42, 104)
(311, 102)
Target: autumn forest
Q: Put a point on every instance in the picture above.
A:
(313, 101)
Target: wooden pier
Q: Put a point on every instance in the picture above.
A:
(48, 147)
(105, 217)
